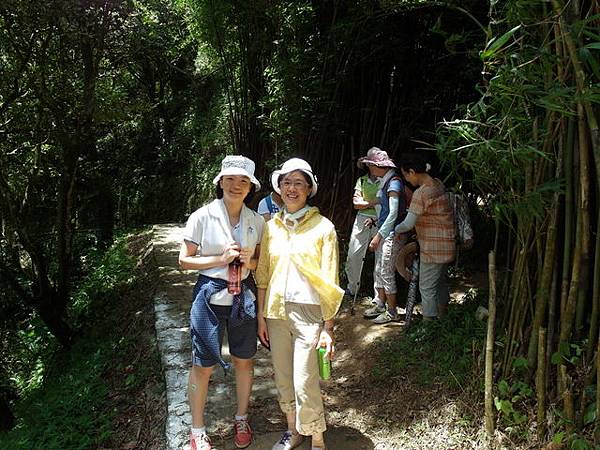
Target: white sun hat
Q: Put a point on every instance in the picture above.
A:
(290, 166)
(237, 165)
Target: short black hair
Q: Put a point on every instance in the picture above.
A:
(413, 162)
(306, 177)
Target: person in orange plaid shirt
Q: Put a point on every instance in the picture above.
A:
(431, 215)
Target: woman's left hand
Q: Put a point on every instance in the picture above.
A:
(326, 340)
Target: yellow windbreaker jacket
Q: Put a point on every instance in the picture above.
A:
(313, 247)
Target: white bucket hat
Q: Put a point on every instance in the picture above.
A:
(290, 166)
(237, 165)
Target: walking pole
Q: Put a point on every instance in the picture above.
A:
(411, 275)
(412, 291)
(362, 262)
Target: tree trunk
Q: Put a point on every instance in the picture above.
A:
(53, 318)
(7, 418)
(65, 229)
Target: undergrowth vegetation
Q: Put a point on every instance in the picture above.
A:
(446, 351)
(68, 403)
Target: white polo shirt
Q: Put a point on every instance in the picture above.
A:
(209, 228)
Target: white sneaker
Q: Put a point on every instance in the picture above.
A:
(288, 441)
(201, 442)
(385, 317)
(374, 311)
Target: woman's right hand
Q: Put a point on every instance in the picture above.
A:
(230, 252)
(375, 242)
(263, 333)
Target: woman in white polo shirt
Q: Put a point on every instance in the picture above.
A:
(222, 233)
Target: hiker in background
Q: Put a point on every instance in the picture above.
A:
(393, 202)
(298, 297)
(364, 228)
(221, 240)
(270, 205)
(431, 215)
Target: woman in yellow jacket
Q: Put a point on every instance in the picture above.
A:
(298, 297)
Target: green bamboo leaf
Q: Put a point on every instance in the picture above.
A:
(520, 364)
(495, 44)
(591, 60)
(564, 348)
(591, 34)
(589, 19)
(593, 45)
(555, 359)
(519, 418)
(558, 437)
(497, 403)
(503, 388)
(590, 414)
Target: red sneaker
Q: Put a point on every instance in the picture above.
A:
(201, 442)
(242, 433)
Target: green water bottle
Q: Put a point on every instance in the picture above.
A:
(324, 364)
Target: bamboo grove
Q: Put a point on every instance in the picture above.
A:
(154, 92)
(531, 151)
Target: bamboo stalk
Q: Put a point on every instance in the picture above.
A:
(540, 385)
(584, 205)
(515, 289)
(566, 322)
(597, 424)
(521, 294)
(526, 307)
(582, 83)
(568, 215)
(545, 284)
(507, 279)
(567, 396)
(515, 335)
(551, 325)
(489, 347)
(593, 330)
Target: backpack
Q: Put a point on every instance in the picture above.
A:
(462, 220)
(406, 196)
(272, 207)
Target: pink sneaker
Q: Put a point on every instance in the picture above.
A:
(242, 433)
(201, 442)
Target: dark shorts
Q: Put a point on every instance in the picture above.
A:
(242, 339)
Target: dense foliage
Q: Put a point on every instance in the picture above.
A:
(99, 118)
(116, 113)
(531, 148)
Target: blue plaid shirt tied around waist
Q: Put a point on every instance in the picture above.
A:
(204, 322)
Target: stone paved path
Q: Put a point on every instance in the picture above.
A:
(172, 304)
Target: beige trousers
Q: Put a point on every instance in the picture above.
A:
(296, 367)
(357, 248)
